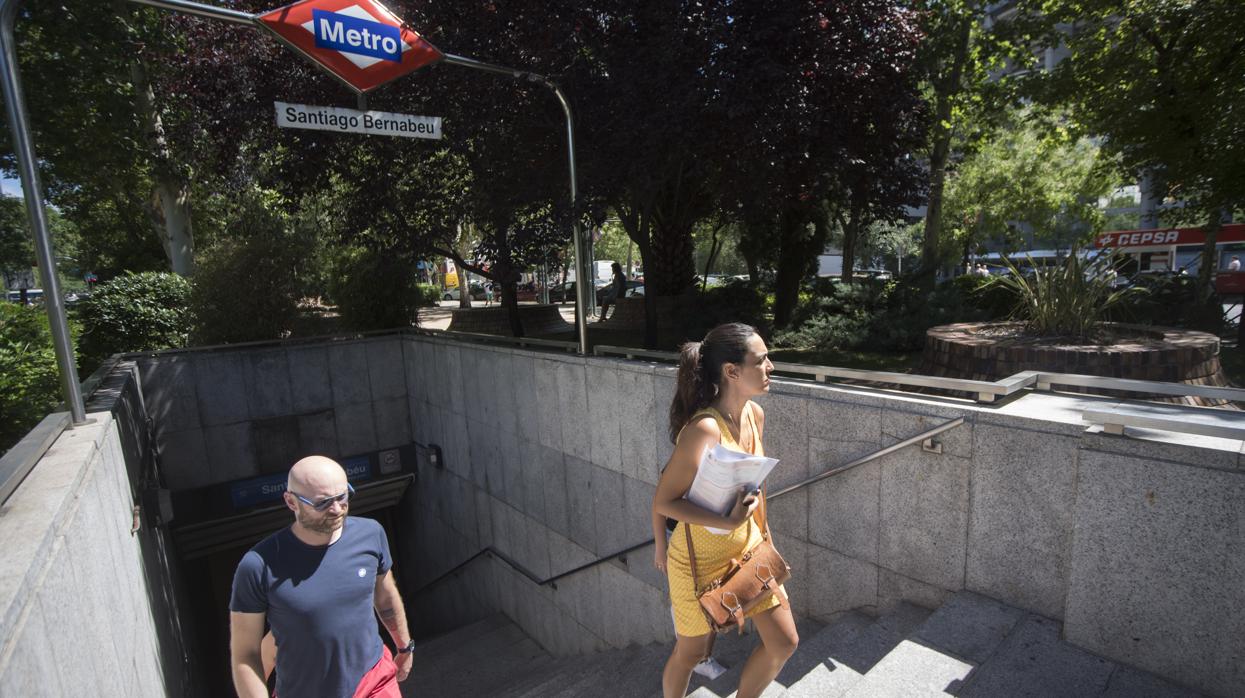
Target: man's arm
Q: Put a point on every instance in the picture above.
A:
(246, 631)
(393, 614)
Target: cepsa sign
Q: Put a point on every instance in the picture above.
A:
(359, 41)
(1164, 237)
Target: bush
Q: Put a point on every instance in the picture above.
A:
(376, 289)
(135, 312)
(427, 295)
(1070, 299)
(734, 301)
(1172, 300)
(247, 284)
(29, 376)
(876, 316)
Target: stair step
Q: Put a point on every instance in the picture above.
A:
(822, 666)
(853, 651)
(615, 670)
(1033, 661)
(969, 626)
(450, 641)
(532, 679)
(733, 650)
(942, 651)
(912, 669)
(498, 642)
(568, 673)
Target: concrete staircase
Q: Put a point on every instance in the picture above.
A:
(972, 647)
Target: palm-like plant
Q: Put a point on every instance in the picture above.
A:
(1069, 299)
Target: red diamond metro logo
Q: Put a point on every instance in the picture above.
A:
(360, 42)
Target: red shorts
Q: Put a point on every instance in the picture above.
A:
(381, 681)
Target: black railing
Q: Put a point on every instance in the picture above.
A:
(925, 438)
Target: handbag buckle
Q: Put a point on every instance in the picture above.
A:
(732, 609)
(765, 574)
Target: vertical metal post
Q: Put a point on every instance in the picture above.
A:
(584, 287)
(24, 149)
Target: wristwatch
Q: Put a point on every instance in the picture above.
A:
(410, 647)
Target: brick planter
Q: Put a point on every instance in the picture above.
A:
(536, 319)
(993, 350)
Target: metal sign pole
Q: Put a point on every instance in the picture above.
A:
(583, 287)
(24, 149)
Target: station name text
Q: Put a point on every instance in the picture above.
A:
(355, 122)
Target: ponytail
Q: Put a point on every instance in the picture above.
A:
(690, 389)
(700, 370)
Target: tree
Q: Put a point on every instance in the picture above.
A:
(97, 129)
(961, 58)
(1163, 84)
(824, 99)
(1026, 174)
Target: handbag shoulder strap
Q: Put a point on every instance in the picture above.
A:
(691, 555)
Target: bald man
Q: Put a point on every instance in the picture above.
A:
(316, 583)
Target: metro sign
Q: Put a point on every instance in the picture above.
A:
(360, 42)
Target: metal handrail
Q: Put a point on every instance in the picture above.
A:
(496, 338)
(987, 391)
(552, 581)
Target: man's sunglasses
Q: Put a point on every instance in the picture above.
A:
(327, 502)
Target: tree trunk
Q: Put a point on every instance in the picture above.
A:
(714, 247)
(851, 235)
(1206, 271)
(792, 261)
(939, 154)
(169, 207)
(672, 268)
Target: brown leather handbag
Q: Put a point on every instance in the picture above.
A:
(748, 582)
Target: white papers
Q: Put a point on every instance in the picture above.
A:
(722, 472)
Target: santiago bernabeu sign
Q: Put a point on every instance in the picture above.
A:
(372, 123)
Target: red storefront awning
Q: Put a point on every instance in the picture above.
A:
(1166, 237)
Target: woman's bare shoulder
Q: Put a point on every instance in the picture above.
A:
(702, 426)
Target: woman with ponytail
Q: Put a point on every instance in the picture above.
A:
(712, 405)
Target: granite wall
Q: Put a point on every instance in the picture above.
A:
(1133, 542)
(84, 608)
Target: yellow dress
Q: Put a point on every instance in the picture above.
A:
(713, 552)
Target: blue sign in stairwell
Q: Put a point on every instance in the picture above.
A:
(268, 488)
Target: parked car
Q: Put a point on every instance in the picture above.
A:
(634, 288)
(477, 292)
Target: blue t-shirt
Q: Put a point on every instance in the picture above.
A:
(319, 601)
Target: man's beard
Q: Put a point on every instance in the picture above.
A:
(321, 524)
